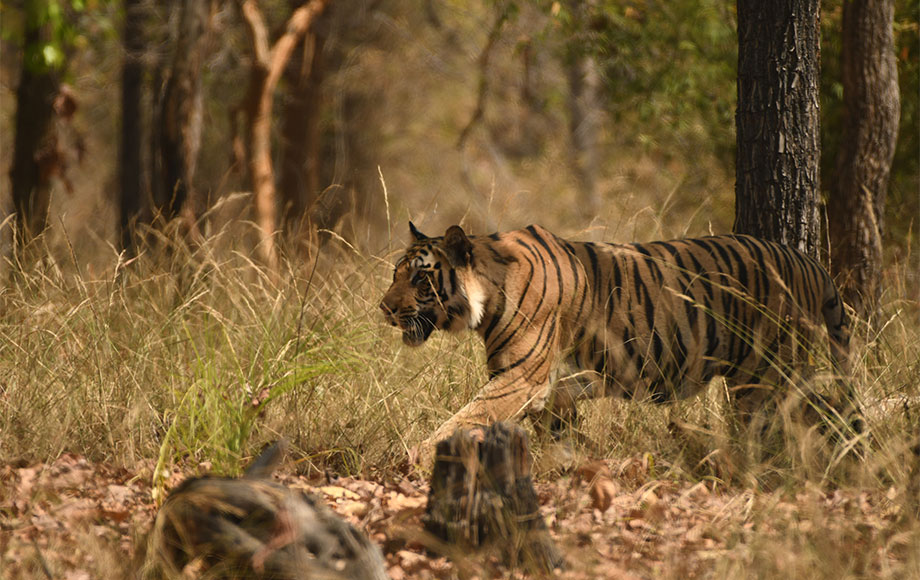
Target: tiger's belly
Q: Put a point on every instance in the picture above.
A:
(661, 368)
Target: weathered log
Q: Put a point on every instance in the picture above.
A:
(482, 495)
(253, 529)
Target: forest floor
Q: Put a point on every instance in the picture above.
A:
(75, 520)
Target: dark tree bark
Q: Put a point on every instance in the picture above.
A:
(180, 115)
(299, 183)
(871, 101)
(130, 165)
(777, 170)
(352, 132)
(254, 528)
(35, 96)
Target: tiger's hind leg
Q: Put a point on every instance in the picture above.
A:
(755, 430)
(790, 428)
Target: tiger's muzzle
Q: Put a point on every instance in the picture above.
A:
(416, 326)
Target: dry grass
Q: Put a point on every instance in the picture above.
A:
(199, 355)
(187, 357)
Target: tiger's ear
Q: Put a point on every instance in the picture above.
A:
(419, 236)
(457, 247)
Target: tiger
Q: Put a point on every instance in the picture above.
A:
(649, 321)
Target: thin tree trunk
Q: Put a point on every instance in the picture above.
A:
(180, 114)
(777, 172)
(267, 66)
(38, 87)
(870, 131)
(131, 170)
(584, 83)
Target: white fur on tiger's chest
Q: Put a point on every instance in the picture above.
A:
(477, 299)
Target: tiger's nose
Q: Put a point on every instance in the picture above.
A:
(387, 313)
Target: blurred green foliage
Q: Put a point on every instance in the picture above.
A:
(670, 68)
(49, 31)
(55, 19)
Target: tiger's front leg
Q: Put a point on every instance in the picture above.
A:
(507, 397)
(559, 413)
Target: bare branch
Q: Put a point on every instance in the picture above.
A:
(258, 35)
(268, 64)
(479, 111)
(297, 26)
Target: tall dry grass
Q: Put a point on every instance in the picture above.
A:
(186, 355)
(197, 354)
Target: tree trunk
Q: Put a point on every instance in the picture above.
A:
(584, 110)
(130, 166)
(300, 168)
(180, 115)
(267, 66)
(38, 87)
(777, 170)
(352, 200)
(870, 130)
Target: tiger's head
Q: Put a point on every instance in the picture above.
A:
(434, 287)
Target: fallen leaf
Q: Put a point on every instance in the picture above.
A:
(601, 487)
(117, 516)
(592, 470)
(260, 398)
(352, 508)
(411, 561)
(119, 493)
(653, 509)
(336, 492)
(602, 492)
(399, 502)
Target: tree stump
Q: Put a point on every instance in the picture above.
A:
(255, 529)
(482, 495)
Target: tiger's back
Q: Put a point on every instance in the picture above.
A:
(676, 314)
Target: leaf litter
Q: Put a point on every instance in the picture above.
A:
(74, 519)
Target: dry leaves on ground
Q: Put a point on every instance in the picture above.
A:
(73, 519)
